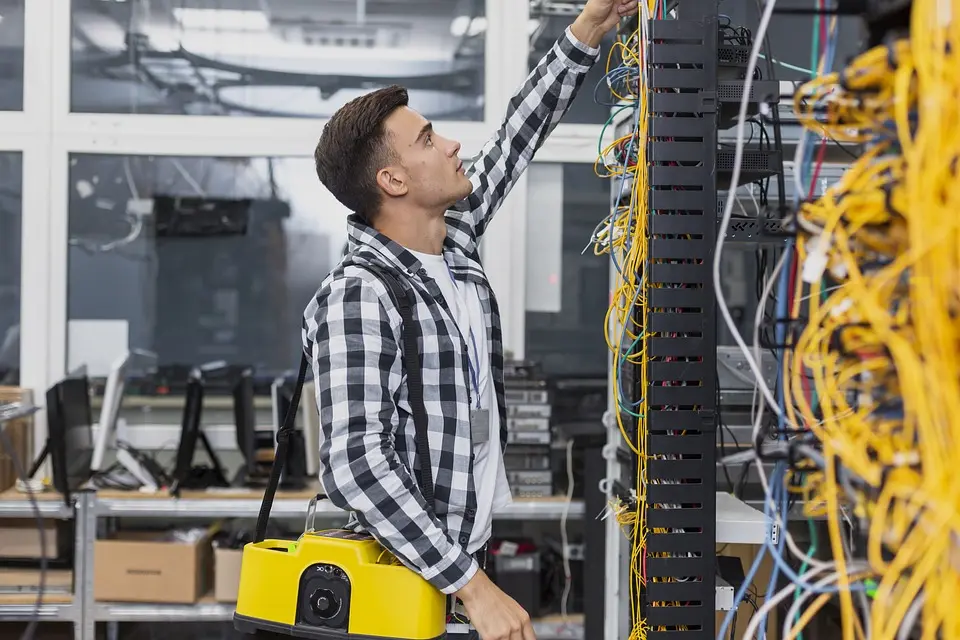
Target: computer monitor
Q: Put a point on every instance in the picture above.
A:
(109, 417)
(294, 475)
(186, 475)
(69, 435)
(110, 410)
(78, 430)
(244, 414)
(281, 395)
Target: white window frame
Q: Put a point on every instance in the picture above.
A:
(47, 133)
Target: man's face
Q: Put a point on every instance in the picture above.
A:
(430, 168)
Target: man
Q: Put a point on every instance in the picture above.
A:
(420, 215)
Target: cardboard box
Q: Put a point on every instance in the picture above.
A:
(747, 554)
(28, 581)
(20, 433)
(148, 567)
(19, 538)
(226, 571)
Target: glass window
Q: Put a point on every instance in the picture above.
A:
(197, 259)
(547, 23)
(11, 55)
(11, 176)
(276, 57)
(567, 340)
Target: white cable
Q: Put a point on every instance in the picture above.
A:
(757, 321)
(757, 417)
(564, 537)
(131, 183)
(910, 618)
(798, 164)
(798, 602)
(728, 207)
(189, 179)
(782, 595)
(718, 255)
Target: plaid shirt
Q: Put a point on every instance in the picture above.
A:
(352, 333)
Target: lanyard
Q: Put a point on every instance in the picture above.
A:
(474, 375)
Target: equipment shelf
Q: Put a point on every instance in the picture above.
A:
(88, 507)
(208, 610)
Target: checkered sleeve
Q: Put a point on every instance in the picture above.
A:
(357, 369)
(532, 114)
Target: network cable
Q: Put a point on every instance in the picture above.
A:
(870, 389)
(623, 237)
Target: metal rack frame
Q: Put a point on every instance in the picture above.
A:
(683, 508)
(89, 509)
(681, 372)
(54, 607)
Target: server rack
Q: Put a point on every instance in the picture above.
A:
(679, 317)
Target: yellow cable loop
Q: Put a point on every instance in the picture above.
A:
(881, 351)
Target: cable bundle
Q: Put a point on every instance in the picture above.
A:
(623, 236)
(875, 375)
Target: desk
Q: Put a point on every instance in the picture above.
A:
(14, 504)
(215, 503)
(16, 607)
(21, 607)
(175, 402)
(735, 522)
(209, 610)
(245, 503)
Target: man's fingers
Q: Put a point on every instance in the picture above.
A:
(528, 631)
(628, 6)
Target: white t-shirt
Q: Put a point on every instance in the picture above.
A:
(489, 476)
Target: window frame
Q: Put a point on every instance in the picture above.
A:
(47, 133)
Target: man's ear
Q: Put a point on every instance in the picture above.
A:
(393, 181)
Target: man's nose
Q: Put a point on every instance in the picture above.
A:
(454, 148)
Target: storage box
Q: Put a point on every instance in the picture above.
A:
(20, 433)
(19, 538)
(226, 571)
(28, 581)
(149, 567)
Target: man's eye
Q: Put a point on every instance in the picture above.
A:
(429, 139)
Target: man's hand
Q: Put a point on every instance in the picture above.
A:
(599, 17)
(494, 614)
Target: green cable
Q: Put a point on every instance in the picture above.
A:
(803, 567)
(814, 49)
(622, 357)
(787, 65)
(603, 131)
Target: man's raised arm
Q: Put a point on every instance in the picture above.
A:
(536, 108)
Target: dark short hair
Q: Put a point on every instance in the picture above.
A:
(354, 146)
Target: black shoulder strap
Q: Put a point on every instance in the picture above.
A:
(413, 369)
